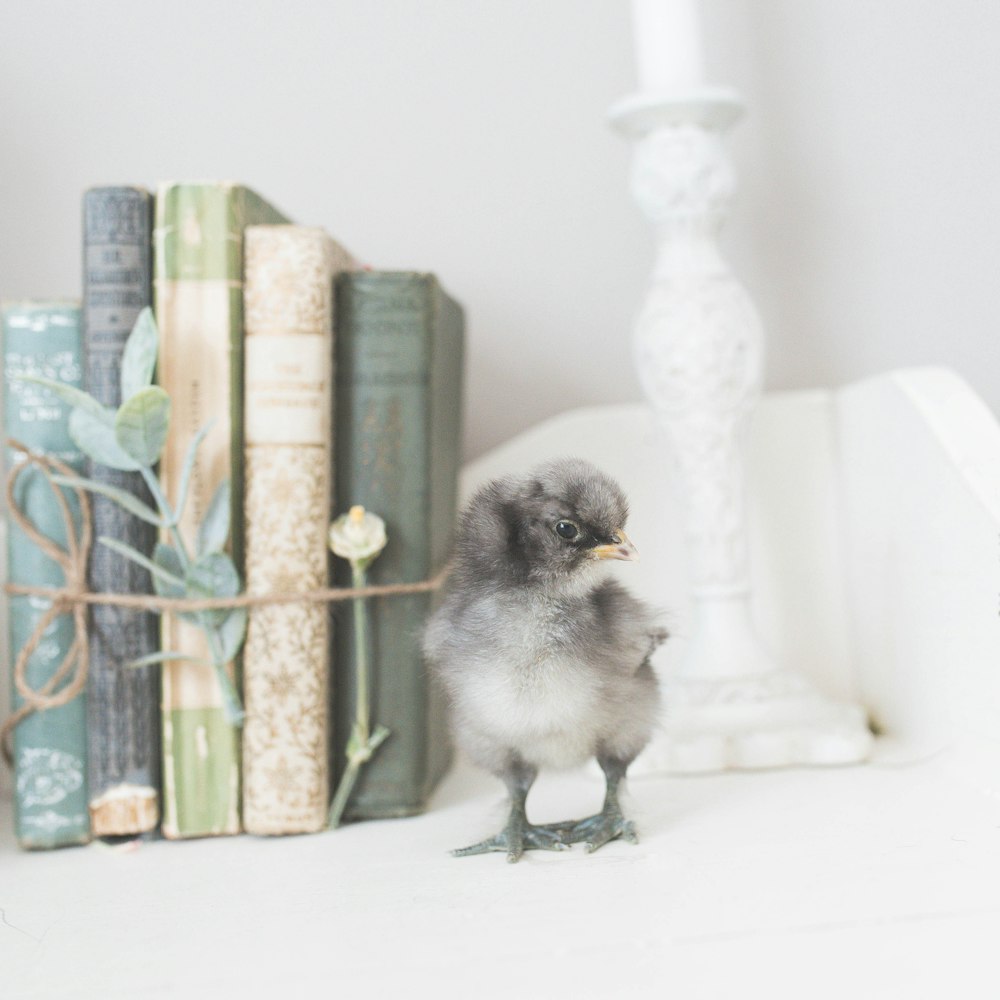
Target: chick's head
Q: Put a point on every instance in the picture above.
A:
(565, 515)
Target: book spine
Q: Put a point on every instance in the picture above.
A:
(50, 746)
(397, 365)
(288, 301)
(445, 431)
(123, 702)
(198, 295)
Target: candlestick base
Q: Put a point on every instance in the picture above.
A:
(776, 719)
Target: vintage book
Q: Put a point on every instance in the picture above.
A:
(288, 303)
(123, 703)
(50, 746)
(397, 431)
(198, 295)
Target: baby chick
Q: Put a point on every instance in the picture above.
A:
(546, 662)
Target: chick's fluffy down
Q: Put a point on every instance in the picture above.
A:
(542, 662)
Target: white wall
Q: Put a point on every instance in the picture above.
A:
(869, 229)
(468, 137)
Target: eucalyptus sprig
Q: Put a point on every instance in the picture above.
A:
(131, 438)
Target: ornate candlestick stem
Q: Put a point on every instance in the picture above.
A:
(699, 351)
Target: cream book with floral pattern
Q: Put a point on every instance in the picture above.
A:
(288, 305)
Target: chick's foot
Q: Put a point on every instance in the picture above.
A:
(595, 831)
(515, 838)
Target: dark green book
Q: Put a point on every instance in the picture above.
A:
(397, 433)
(50, 746)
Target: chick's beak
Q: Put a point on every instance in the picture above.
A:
(621, 549)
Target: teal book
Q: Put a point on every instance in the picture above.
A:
(397, 434)
(50, 746)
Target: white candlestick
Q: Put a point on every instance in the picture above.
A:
(700, 355)
(667, 45)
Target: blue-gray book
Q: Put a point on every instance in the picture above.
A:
(123, 708)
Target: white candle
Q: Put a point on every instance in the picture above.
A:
(667, 45)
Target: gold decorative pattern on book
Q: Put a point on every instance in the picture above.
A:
(289, 366)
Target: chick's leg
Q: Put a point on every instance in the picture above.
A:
(607, 825)
(518, 835)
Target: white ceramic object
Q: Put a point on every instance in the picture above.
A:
(920, 487)
(699, 353)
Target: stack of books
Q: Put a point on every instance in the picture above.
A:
(324, 385)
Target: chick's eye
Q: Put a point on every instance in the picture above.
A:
(567, 529)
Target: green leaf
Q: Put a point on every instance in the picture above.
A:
(123, 498)
(230, 699)
(188, 468)
(213, 575)
(139, 356)
(150, 659)
(142, 423)
(137, 557)
(214, 528)
(231, 632)
(95, 437)
(67, 393)
(169, 560)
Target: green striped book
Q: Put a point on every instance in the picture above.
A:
(397, 430)
(198, 297)
(50, 746)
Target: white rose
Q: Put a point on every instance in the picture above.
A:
(358, 535)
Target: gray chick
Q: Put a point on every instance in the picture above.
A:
(546, 662)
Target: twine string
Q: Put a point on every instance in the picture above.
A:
(73, 562)
(74, 597)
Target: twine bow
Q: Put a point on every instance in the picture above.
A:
(74, 597)
(66, 600)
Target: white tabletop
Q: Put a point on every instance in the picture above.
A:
(873, 881)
